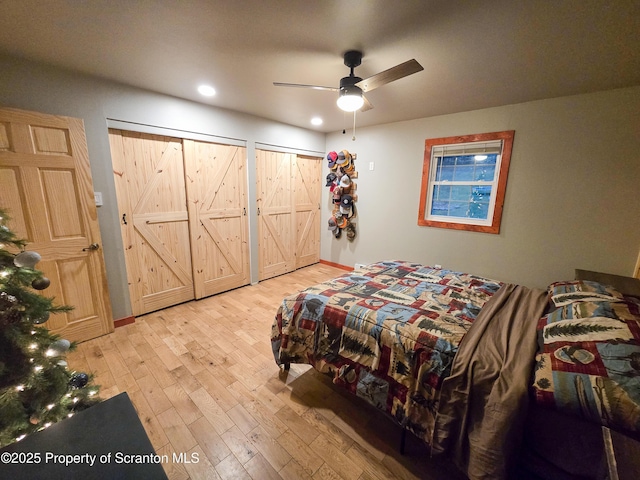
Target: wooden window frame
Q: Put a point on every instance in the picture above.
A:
(507, 145)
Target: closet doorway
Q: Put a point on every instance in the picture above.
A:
(183, 217)
(288, 199)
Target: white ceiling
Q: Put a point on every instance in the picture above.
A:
(475, 53)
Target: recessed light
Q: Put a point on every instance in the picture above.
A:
(316, 121)
(207, 90)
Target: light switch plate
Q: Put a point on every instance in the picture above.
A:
(98, 198)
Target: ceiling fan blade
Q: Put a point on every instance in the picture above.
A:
(367, 105)
(300, 85)
(394, 73)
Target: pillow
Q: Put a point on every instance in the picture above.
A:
(565, 293)
(588, 360)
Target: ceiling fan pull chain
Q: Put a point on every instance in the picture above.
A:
(344, 122)
(354, 126)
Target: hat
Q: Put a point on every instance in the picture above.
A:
(351, 232)
(349, 169)
(346, 202)
(332, 157)
(344, 157)
(342, 222)
(333, 225)
(337, 194)
(345, 181)
(331, 178)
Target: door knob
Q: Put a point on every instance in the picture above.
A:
(93, 246)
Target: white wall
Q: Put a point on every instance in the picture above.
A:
(571, 200)
(30, 86)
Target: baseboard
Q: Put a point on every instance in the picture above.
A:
(337, 265)
(121, 322)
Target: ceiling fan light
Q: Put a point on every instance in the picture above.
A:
(350, 99)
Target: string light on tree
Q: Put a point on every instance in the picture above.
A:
(35, 381)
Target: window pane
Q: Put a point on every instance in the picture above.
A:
(481, 193)
(459, 209)
(465, 160)
(444, 192)
(444, 174)
(491, 159)
(461, 193)
(485, 173)
(479, 210)
(463, 173)
(440, 208)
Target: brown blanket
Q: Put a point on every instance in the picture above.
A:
(480, 422)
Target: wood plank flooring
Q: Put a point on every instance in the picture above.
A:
(203, 380)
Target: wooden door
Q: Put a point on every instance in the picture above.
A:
(276, 227)
(46, 186)
(216, 180)
(152, 204)
(307, 173)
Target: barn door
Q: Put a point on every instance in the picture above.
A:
(217, 203)
(45, 184)
(149, 177)
(306, 186)
(276, 227)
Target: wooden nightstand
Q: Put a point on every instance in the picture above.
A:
(622, 452)
(625, 285)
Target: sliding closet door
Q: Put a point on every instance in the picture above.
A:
(307, 173)
(216, 178)
(149, 177)
(276, 222)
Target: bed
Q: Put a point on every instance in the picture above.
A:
(460, 360)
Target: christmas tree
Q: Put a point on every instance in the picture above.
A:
(36, 387)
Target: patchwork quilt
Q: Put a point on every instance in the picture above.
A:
(588, 361)
(387, 332)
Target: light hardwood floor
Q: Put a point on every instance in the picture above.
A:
(202, 378)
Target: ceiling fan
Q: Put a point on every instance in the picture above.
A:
(351, 88)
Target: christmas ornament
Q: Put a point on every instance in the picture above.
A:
(34, 420)
(41, 283)
(26, 259)
(5, 297)
(60, 346)
(79, 380)
(42, 319)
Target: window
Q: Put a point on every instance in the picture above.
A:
(464, 180)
